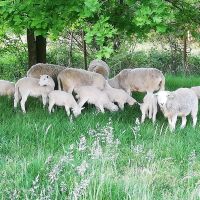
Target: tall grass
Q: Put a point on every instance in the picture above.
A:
(97, 156)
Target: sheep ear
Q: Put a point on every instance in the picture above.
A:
(82, 108)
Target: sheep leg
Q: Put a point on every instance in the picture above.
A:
(194, 116)
(121, 106)
(51, 104)
(101, 108)
(154, 116)
(67, 110)
(150, 112)
(173, 122)
(184, 120)
(81, 102)
(44, 100)
(23, 101)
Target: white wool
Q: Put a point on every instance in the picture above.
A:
(61, 98)
(7, 88)
(180, 102)
(149, 107)
(119, 96)
(72, 78)
(196, 89)
(34, 87)
(99, 66)
(139, 79)
(93, 95)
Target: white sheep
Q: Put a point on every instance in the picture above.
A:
(61, 98)
(71, 78)
(93, 95)
(7, 88)
(149, 107)
(139, 79)
(44, 68)
(34, 87)
(99, 66)
(196, 89)
(119, 96)
(180, 102)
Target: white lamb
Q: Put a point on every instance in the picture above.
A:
(34, 87)
(119, 96)
(7, 88)
(196, 89)
(149, 107)
(180, 102)
(95, 96)
(61, 98)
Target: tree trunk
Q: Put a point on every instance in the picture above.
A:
(84, 50)
(70, 50)
(31, 43)
(41, 49)
(185, 63)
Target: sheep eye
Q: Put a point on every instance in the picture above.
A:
(47, 76)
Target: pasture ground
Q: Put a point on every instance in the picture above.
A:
(97, 156)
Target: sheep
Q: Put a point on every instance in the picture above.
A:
(180, 102)
(7, 88)
(93, 95)
(61, 98)
(99, 66)
(34, 87)
(71, 78)
(139, 79)
(149, 107)
(119, 96)
(196, 89)
(43, 68)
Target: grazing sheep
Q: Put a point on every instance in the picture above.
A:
(99, 66)
(196, 89)
(7, 88)
(139, 79)
(61, 98)
(180, 102)
(71, 78)
(119, 96)
(34, 87)
(93, 95)
(149, 107)
(43, 68)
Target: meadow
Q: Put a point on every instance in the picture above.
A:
(97, 156)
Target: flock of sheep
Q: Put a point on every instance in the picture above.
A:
(93, 86)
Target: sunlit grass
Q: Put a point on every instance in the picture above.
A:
(139, 162)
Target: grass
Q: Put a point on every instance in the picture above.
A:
(112, 156)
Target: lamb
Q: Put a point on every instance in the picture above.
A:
(119, 96)
(139, 79)
(180, 102)
(196, 89)
(43, 68)
(7, 88)
(149, 107)
(71, 78)
(61, 98)
(99, 66)
(34, 87)
(95, 96)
